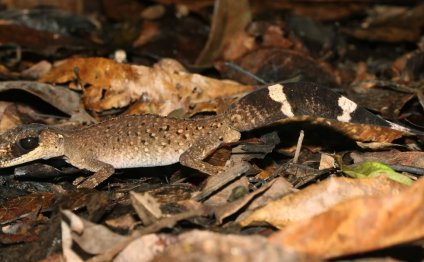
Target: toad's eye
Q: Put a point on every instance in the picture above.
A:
(28, 143)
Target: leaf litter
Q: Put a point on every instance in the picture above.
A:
(74, 64)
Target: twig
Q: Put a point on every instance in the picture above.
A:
(298, 146)
(245, 72)
(410, 169)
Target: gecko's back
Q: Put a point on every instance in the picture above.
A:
(138, 140)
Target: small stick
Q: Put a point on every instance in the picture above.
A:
(245, 72)
(410, 169)
(298, 146)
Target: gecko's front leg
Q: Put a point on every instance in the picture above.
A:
(102, 172)
(194, 156)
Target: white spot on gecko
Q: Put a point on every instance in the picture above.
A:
(276, 93)
(348, 106)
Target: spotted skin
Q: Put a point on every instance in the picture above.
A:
(149, 140)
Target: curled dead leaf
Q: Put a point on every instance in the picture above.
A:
(358, 225)
(318, 198)
(165, 87)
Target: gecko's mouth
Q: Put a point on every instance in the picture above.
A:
(11, 162)
(9, 158)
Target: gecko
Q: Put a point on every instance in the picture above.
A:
(151, 140)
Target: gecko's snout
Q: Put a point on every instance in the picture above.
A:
(27, 143)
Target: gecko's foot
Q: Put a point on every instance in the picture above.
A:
(90, 182)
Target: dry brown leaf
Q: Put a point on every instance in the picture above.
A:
(358, 132)
(223, 211)
(209, 246)
(119, 10)
(222, 197)
(391, 24)
(145, 248)
(67, 243)
(124, 222)
(190, 4)
(326, 161)
(9, 116)
(164, 87)
(167, 222)
(216, 182)
(229, 19)
(280, 187)
(75, 6)
(358, 225)
(39, 41)
(146, 206)
(317, 10)
(319, 197)
(23, 206)
(82, 232)
(408, 66)
(390, 34)
(150, 31)
(385, 101)
(37, 70)
(413, 158)
(277, 64)
(61, 98)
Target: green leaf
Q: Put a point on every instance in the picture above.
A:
(374, 169)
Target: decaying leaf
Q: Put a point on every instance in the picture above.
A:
(279, 188)
(10, 116)
(82, 232)
(230, 18)
(224, 211)
(359, 225)
(385, 101)
(124, 222)
(25, 205)
(208, 246)
(223, 196)
(391, 24)
(165, 87)
(320, 11)
(146, 206)
(67, 243)
(166, 222)
(276, 65)
(63, 99)
(36, 41)
(318, 198)
(412, 158)
(217, 181)
(51, 20)
(145, 248)
(408, 67)
(358, 132)
(326, 161)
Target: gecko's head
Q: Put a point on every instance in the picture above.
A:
(29, 142)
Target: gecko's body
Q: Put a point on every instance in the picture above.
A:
(149, 140)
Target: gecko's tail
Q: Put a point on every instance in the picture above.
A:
(270, 104)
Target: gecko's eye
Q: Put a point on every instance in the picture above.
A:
(28, 143)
